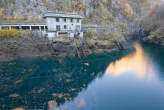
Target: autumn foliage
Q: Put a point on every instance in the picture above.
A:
(153, 10)
(10, 33)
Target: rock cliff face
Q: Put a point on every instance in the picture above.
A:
(105, 12)
(153, 26)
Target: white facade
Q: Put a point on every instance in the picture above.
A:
(62, 23)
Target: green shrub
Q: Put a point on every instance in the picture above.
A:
(10, 33)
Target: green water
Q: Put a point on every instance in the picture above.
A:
(122, 80)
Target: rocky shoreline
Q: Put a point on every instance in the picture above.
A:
(34, 47)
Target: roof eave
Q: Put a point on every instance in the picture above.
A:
(45, 16)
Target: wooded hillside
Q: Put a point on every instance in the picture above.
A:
(105, 12)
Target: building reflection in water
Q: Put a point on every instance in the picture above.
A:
(137, 62)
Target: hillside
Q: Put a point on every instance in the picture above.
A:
(153, 25)
(104, 12)
(116, 14)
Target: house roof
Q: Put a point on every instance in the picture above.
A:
(24, 24)
(63, 15)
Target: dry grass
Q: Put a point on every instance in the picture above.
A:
(62, 38)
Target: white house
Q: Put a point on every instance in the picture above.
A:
(63, 23)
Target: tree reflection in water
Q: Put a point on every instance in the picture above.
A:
(37, 84)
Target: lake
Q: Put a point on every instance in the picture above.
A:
(123, 80)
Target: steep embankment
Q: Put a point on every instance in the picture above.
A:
(30, 45)
(153, 26)
(21, 47)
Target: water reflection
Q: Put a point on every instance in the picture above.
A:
(18, 109)
(137, 62)
(44, 84)
(48, 84)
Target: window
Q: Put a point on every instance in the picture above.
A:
(57, 19)
(58, 28)
(71, 20)
(65, 26)
(78, 20)
(65, 20)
